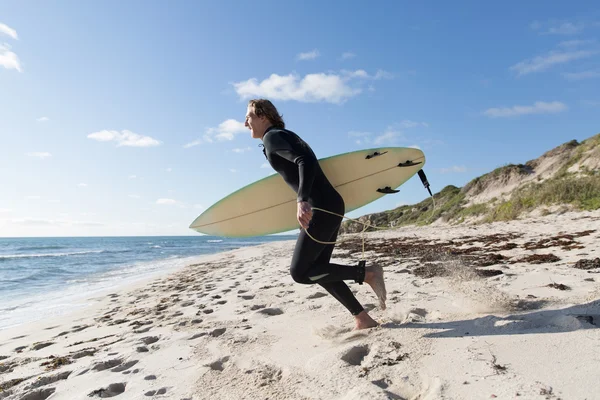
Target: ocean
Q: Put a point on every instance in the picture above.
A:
(41, 277)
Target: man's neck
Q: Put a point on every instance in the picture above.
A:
(266, 130)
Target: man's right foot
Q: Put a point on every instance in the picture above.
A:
(374, 277)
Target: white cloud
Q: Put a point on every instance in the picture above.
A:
(34, 197)
(566, 28)
(192, 144)
(311, 88)
(124, 138)
(37, 222)
(575, 43)
(412, 124)
(199, 206)
(347, 55)
(361, 73)
(358, 134)
(39, 154)
(238, 150)
(233, 170)
(311, 55)
(225, 131)
(576, 76)
(51, 222)
(415, 146)
(454, 168)
(168, 202)
(265, 165)
(7, 30)
(558, 27)
(132, 177)
(134, 196)
(381, 74)
(43, 119)
(82, 185)
(539, 107)
(169, 169)
(9, 59)
(541, 63)
(387, 137)
(5, 210)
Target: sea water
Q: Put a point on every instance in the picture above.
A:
(42, 277)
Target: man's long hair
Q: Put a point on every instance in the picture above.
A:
(263, 107)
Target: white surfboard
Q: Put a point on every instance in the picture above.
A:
(268, 206)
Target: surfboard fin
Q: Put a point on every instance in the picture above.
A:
(387, 190)
(369, 156)
(409, 163)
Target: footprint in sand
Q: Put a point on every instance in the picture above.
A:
(218, 365)
(79, 328)
(39, 346)
(153, 392)
(217, 332)
(271, 311)
(316, 295)
(47, 380)
(40, 394)
(101, 366)
(84, 353)
(114, 389)
(197, 335)
(148, 340)
(355, 355)
(125, 366)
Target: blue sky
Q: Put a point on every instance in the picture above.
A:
(125, 118)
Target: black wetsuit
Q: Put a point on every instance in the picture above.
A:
(295, 161)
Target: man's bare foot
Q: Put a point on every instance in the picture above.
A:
(374, 277)
(364, 321)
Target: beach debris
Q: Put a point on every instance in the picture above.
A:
(558, 286)
(41, 345)
(587, 264)
(55, 362)
(539, 259)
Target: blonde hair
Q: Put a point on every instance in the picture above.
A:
(263, 107)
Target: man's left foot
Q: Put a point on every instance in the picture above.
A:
(374, 277)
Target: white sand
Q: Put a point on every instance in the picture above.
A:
(457, 336)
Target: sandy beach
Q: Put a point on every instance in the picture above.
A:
(504, 310)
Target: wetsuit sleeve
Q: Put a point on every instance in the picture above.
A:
(277, 144)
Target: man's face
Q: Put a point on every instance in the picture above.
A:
(257, 125)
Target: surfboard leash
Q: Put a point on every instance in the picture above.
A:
(367, 225)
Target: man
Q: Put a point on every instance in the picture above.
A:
(295, 161)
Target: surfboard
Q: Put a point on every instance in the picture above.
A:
(268, 206)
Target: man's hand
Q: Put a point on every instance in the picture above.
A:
(304, 214)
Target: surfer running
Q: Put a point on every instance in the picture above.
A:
(295, 161)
